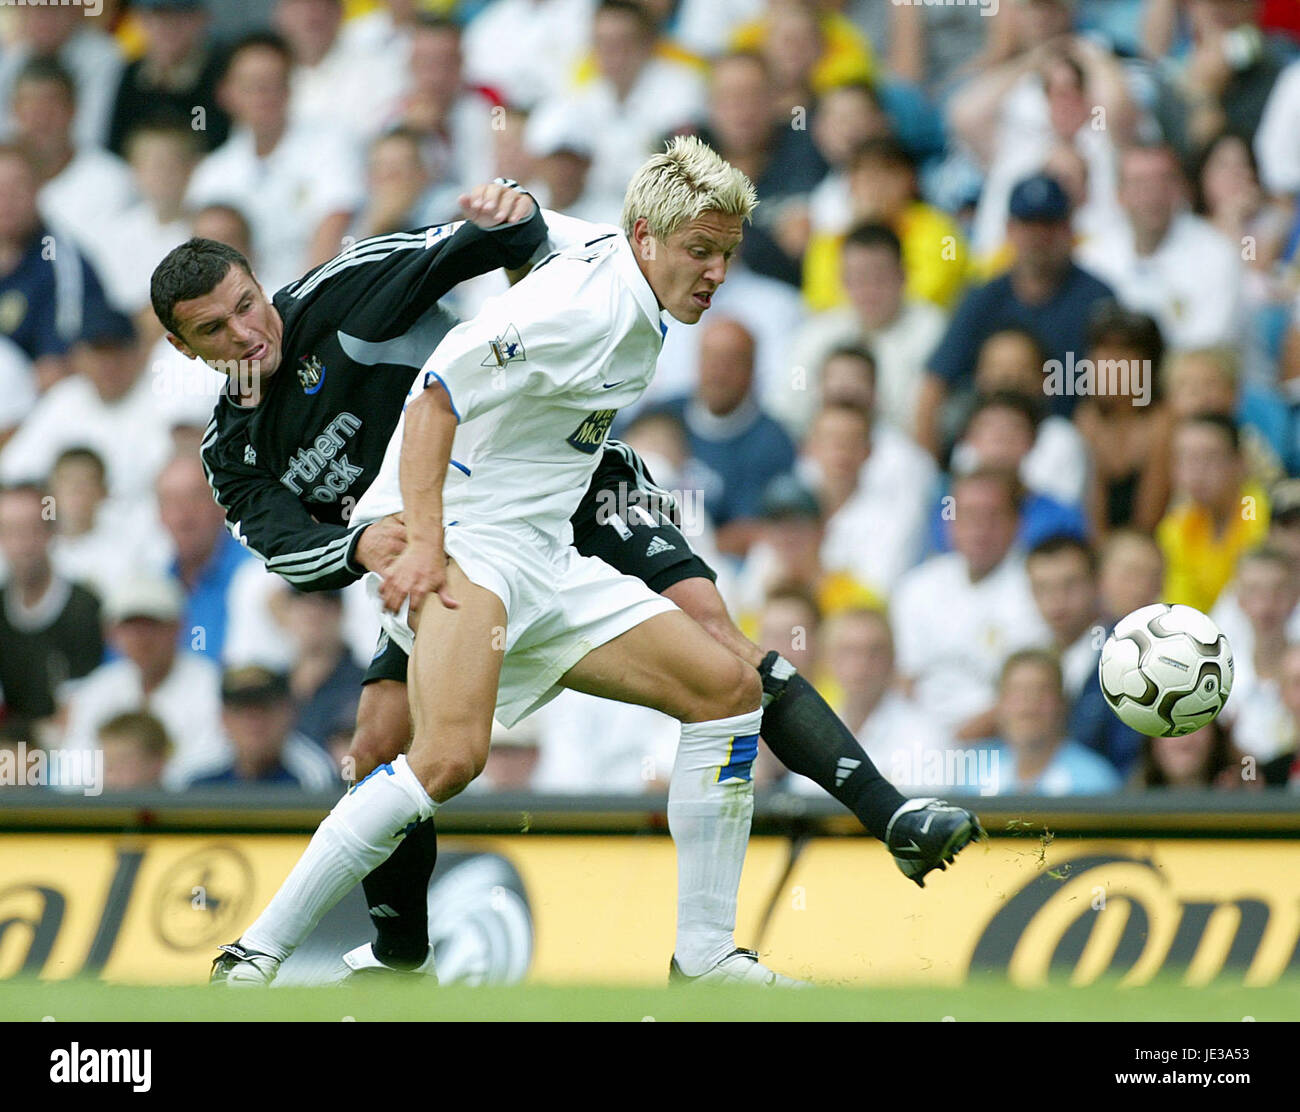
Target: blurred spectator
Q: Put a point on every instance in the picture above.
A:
(1208, 380)
(173, 84)
(873, 495)
(337, 81)
(83, 189)
(1216, 514)
(1034, 752)
(513, 758)
(560, 158)
(809, 47)
(1274, 143)
(1088, 114)
(398, 186)
(1163, 260)
(633, 101)
(1012, 361)
(226, 224)
(298, 186)
(49, 627)
(1044, 292)
(136, 749)
(900, 332)
(896, 733)
(781, 161)
(789, 622)
(1130, 573)
(162, 157)
(263, 748)
(737, 446)
(1127, 425)
(883, 190)
(17, 388)
(950, 654)
(1000, 434)
(1266, 593)
(325, 681)
(546, 39)
(17, 746)
(88, 546)
(48, 292)
(206, 557)
(1226, 79)
(1284, 770)
(1063, 578)
(1284, 537)
(180, 688)
(454, 121)
(1205, 758)
(788, 551)
(1226, 191)
(64, 34)
(847, 116)
(109, 405)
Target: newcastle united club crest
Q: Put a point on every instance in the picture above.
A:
(311, 373)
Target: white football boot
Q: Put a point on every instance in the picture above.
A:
(238, 967)
(362, 965)
(740, 967)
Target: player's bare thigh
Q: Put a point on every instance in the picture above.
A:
(383, 729)
(670, 664)
(452, 685)
(699, 598)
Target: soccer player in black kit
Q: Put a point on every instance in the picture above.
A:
(317, 379)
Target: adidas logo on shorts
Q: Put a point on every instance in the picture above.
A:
(659, 545)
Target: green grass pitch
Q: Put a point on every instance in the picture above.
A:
(29, 1000)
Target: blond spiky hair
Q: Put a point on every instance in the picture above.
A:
(689, 178)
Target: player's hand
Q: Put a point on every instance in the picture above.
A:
(420, 571)
(381, 543)
(493, 204)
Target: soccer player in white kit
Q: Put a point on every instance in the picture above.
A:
(499, 439)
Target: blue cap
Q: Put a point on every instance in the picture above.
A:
(1039, 198)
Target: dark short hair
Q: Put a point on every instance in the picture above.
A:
(1057, 543)
(860, 352)
(1028, 408)
(1109, 320)
(48, 69)
(861, 86)
(1004, 477)
(629, 8)
(266, 40)
(81, 454)
(886, 149)
(194, 269)
(1221, 421)
(872, 236)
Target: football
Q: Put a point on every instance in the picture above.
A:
(1166, 670)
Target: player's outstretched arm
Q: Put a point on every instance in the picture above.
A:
(421, 569)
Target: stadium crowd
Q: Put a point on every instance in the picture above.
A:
(1011, 349)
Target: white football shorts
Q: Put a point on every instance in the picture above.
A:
(560, 605)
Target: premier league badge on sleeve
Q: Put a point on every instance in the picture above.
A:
(311, 373)
(506, 348)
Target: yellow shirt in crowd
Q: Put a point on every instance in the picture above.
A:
(935, 260)
(1198, 564)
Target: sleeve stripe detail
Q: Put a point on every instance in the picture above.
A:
(350, 259)
(450, 400)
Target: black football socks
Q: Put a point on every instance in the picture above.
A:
(397, 893)
(808, 738)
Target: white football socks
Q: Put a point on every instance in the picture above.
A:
(361, 831)
(710, 805)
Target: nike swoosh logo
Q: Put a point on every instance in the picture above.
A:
(611, 385)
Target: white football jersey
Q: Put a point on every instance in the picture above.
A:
(536, 380)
